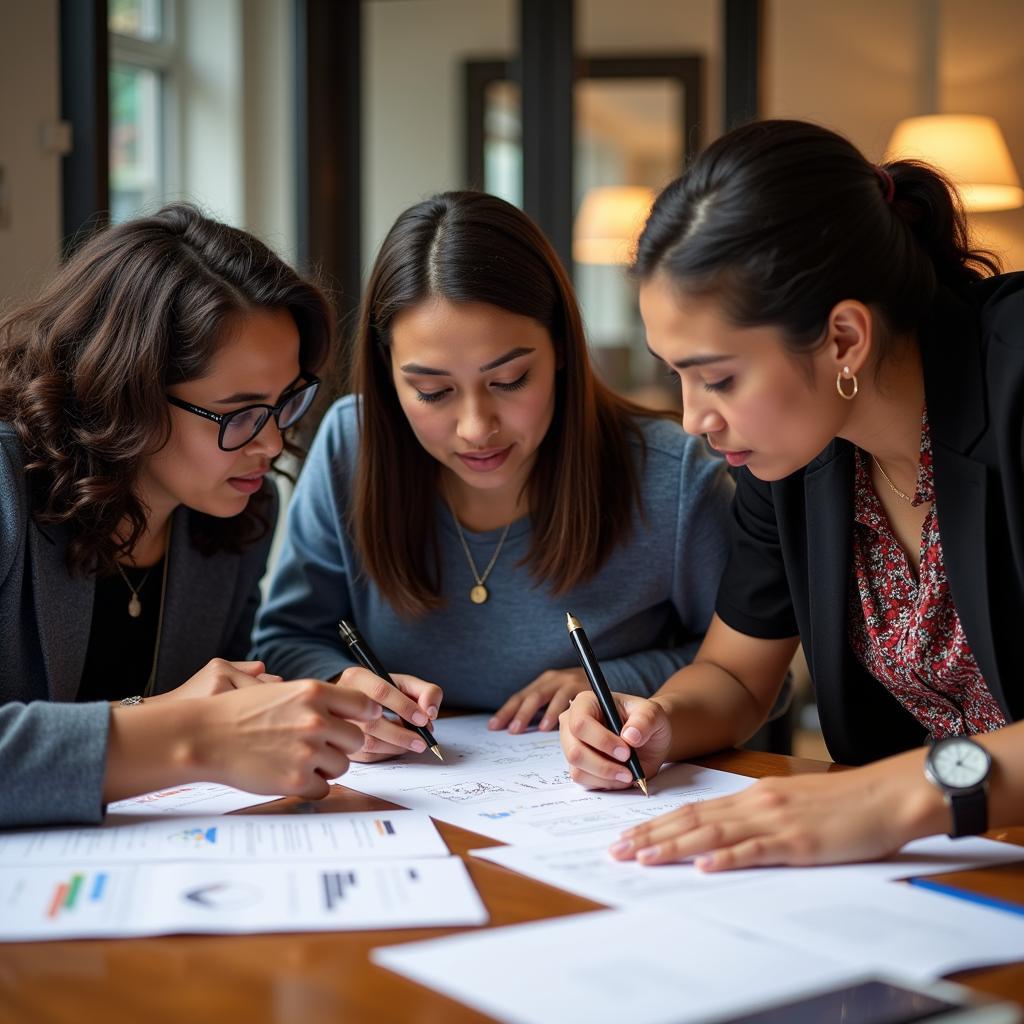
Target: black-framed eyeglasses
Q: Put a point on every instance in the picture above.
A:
(239, 427)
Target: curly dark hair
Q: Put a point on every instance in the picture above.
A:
(85, 365)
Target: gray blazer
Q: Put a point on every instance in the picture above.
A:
(52, 750)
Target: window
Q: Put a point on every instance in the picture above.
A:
(143, 104)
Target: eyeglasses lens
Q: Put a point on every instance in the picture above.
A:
(241, 427)
(297, 407)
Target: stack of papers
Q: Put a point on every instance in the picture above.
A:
(190, 798)
(689, 945)
(324, 872)
(709, 957)
(586, 869)
(682, 945)
(517, 788)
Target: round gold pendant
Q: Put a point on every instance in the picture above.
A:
(478, 594)
(134, 607)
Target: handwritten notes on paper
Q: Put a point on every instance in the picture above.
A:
(517, 788)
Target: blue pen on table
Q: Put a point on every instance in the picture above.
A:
(966, 894)
(599, 685)
(360, 650)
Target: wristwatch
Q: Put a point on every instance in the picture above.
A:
(960, 767)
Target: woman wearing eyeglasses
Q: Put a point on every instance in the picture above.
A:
(485, 482)
(143, 396)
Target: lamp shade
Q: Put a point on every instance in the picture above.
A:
(609, 223)
(970, 149)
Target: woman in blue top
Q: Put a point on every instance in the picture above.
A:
(483, 482)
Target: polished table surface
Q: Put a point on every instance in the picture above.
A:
(327, 977)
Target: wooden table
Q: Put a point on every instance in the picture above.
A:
(314, 978)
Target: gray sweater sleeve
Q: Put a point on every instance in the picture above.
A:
(703, 496)
(52, 762)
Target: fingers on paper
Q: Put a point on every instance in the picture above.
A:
(504, 714)
(558, 703)
(387, 739)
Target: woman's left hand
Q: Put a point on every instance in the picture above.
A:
(218, 676)
(554, 689)
(862, 814)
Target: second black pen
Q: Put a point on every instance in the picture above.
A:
(598, 684)
(360, 650)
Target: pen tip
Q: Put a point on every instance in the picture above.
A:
(437, 750)
(642, 783)
(571, 622)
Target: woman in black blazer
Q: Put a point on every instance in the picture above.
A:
(836, 336)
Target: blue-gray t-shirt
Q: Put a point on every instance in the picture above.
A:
(645, 611)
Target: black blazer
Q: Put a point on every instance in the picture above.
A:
(790, 563)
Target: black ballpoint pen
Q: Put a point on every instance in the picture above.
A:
(360, 650)
(604, 696)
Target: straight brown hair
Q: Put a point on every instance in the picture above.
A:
(85, 366)
(584, 487)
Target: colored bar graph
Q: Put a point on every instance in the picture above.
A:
(98, 885)
(73, 889)
(59, 895)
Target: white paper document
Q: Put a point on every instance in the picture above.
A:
(256, 837)
(191, 798)
(865, 923)
(584, 867)
(638, 966)
(517, 788)
(54, 902)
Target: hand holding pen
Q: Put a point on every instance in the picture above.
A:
(605, 700)
(405, 698)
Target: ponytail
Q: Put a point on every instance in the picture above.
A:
(781, 220)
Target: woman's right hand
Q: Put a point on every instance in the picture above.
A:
(597, 756)
(288, 738)
(415, 701)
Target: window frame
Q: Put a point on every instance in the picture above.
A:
(164, 56)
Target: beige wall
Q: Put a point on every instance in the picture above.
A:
(860, 67)
(656, 26)
(414, 49)
(412, 105)
(29, 104)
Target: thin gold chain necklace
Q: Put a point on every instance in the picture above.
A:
(478, 594)
(895, 490)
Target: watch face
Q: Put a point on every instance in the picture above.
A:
(959, 763)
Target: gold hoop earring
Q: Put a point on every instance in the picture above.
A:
(846, 375)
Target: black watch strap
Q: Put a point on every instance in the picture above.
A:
(970, 813)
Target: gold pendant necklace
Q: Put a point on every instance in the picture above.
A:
(478, 594)
(134, 602)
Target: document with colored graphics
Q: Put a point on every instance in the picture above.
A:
(52, 901)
